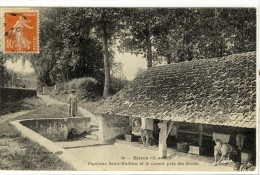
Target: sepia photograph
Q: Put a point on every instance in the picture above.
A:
(128, 89)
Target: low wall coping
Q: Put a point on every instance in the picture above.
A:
(18, 88)
(49, 145)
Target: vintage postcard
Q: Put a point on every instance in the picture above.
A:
(129, 89)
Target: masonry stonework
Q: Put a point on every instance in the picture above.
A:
(112, 127)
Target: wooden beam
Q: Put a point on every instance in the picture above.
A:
(207, 134)
(177, 130)
(130, 121)
(200, 134)
(188, 132)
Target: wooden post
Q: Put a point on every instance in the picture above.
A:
(162, 139)
(200, 135)
(169, 129)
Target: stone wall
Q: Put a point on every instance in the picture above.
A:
(56, 129)
(112, 127)
(8, 95)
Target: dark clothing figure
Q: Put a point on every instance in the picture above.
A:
(73, 106)
(240, 141)
(74, 135)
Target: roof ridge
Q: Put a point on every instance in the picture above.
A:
(213, 59)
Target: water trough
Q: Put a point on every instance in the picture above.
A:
(52, 133)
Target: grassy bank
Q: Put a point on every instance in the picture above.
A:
(19, 153)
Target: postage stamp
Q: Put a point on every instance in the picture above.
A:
(20, 32)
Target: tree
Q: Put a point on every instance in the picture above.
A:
(141, 29)
(73, 41)
(4, 76)
(77, 42)
(106, 24)
(67, 48)
(178, 35)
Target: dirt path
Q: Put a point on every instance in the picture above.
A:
(85, 113)
(128, 158)
(50, 101)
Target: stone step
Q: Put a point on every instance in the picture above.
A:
(92, 136)
(96, 132)
(94, 127)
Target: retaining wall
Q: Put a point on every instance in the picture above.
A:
(8, 95)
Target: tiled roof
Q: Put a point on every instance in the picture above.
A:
(217, 91)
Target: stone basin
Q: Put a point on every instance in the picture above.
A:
(56, 129)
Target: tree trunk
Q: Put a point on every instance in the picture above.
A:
(216, 29)
(106, 63)
(149, 49)
(221, 47)
(242, 38)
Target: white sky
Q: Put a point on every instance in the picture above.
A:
(131, 63)
(19, 67)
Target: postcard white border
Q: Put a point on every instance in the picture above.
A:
(145, 3)
(131, 3)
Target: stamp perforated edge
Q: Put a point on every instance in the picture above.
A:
(3, 10)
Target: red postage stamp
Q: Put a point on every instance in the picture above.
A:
(21, 33)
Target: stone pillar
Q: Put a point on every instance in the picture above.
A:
(162, 139)
(101, 126)
(112, 127)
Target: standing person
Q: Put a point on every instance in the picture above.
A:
(222, 151)
(146, 131)
(73, 106)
